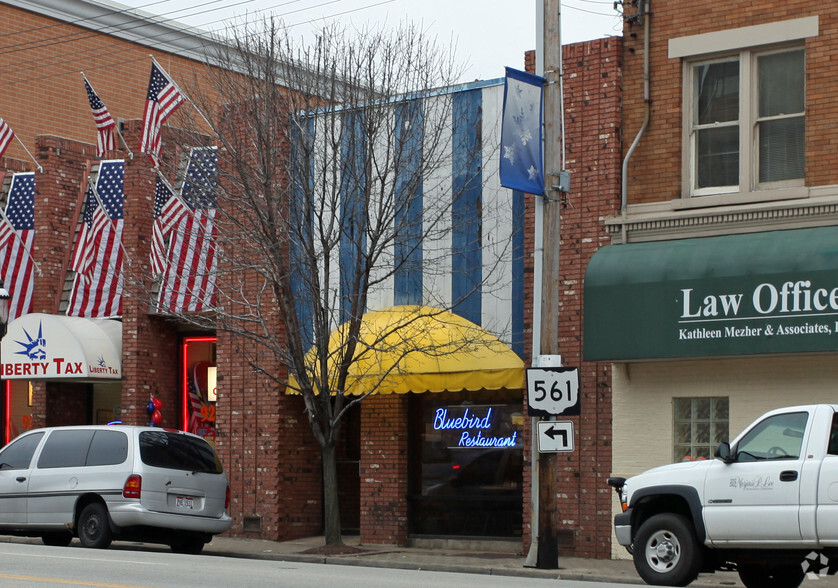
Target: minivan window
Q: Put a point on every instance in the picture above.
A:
(18, 454)
(163, 449)
(108, 448)
(66, 449)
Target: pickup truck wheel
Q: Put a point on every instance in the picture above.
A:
(760, 576)
(666, 551)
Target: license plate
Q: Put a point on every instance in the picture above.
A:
(185, 502)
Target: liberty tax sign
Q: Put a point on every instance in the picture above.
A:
(41, 346)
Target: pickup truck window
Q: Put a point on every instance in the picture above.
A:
(776, 437)
(833, 437)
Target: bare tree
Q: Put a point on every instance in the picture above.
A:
(324, 151)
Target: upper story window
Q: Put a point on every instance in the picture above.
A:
(747, 121)
(744, 115)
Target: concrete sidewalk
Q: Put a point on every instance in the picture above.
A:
(446, 560)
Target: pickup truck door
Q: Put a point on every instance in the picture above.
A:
(756, 499)
(827, 511)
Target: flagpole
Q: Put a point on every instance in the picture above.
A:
(22, 242)
(124, 142)
(184, 94)
(40, 169)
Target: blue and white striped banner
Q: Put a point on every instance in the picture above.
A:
(460, 236)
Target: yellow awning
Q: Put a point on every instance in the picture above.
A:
(421, 349)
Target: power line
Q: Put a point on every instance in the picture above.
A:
(169, 36)
(115, 28)
(78, 20)
(102, 49)
(586, 11)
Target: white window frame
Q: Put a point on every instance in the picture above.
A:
(748, 120)
(746, 43)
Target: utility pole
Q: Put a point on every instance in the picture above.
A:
(548, 548)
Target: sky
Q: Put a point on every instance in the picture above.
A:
(488, 34)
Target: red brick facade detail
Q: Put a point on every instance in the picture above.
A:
(655, 171)
(592, 87)
(263, 437)
(384, 469)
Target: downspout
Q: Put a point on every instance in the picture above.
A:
(647, 110)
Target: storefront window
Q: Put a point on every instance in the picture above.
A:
(700, 425)
(18, 408)
(107, 403)
(469, 475)
(198, 385)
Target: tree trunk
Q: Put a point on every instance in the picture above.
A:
(331, 505)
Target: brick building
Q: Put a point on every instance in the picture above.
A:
(262, 434)
(713, 302)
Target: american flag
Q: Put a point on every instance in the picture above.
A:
(6, 136)
(194, 408)
(189, 280)
(105, 124)
(93, 223)
(97, 287)
(169, 209)
(16, 265)
(162, 100)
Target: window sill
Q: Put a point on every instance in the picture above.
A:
(734, 198)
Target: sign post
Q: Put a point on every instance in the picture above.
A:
(551, 391)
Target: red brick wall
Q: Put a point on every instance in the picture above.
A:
(263, 436)
(58, 198)
(267, 447)
(149, 352)
(655, 171)
(384, 469)
(592, 103)
(149, 344)
(44, 93)
(66, 404)
(593, 81)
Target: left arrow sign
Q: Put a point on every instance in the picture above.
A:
(555, 436)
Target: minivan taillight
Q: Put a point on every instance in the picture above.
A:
(133, 486)
(227, 500)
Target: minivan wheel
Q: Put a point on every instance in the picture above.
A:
(57, 539)
(188, 544)
(93, 527)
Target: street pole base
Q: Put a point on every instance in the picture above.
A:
(532, 556)
(548, 554)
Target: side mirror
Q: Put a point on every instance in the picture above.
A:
(723, 452)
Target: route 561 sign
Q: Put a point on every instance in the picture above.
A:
(553, 391)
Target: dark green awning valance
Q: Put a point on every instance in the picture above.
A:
(774, 292)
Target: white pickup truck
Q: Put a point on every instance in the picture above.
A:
(766, 505)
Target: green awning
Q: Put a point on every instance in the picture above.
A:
(774, 292)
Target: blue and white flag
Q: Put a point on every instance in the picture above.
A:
(521, 163)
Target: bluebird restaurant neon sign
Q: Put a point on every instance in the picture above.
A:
(475, 426)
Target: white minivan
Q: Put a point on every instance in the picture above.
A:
(101, 483)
